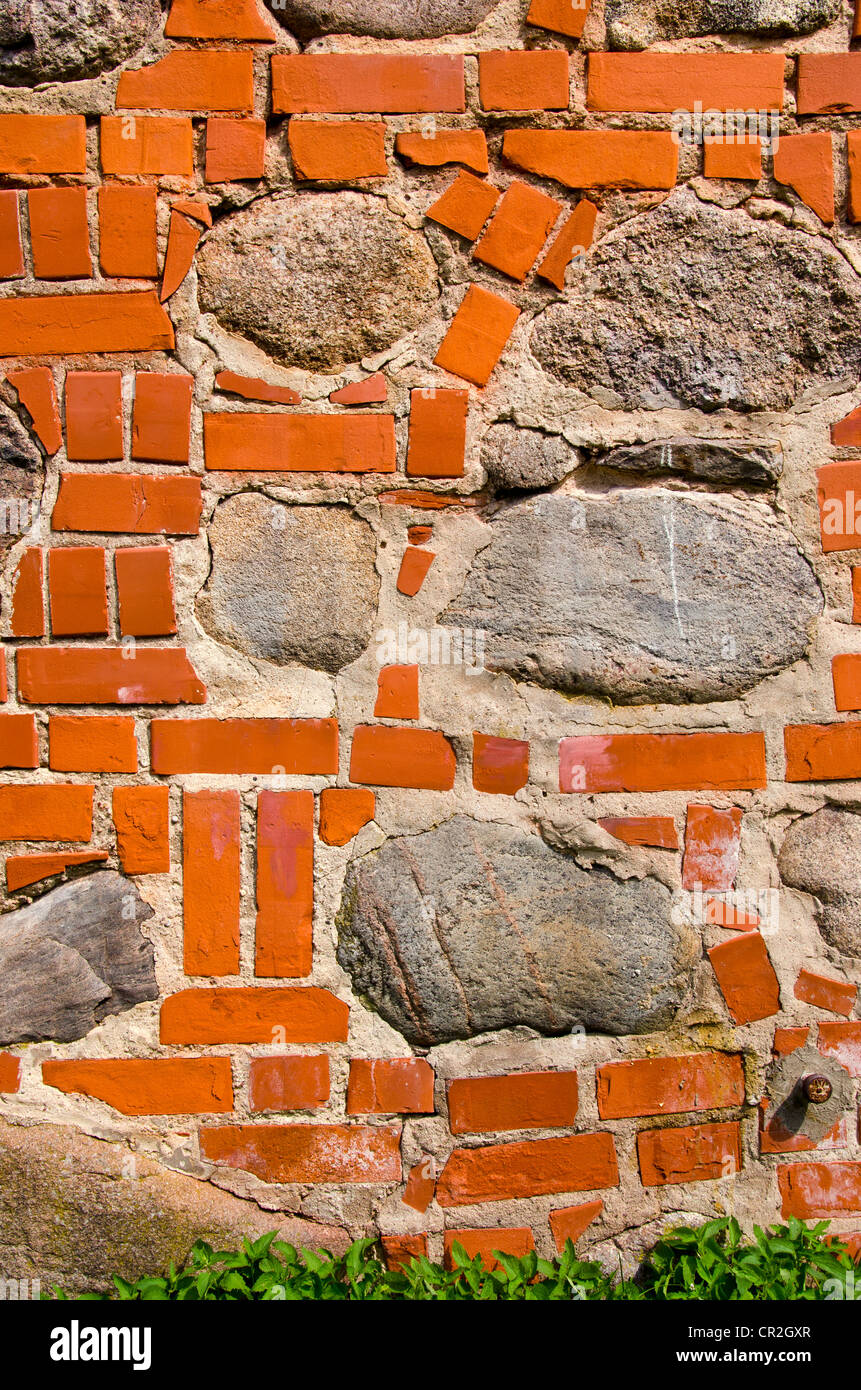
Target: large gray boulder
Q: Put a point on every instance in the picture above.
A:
(821, 854)
(471, 927)
(639, 23)
(61, 40)
(695, 306)
(291, 583)
(318, 280)
(384, 19)
(641, 595)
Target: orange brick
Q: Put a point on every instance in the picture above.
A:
(414, 570)
(397, 693)
(53, 325)
(825, 993)
(499, 765)
(300, 1153)
(28, 617)
(299, 443)
(191, 79)
(840, 1040)
(437, 442)
(829, 82)
(219, 19)
(733, 159)
(853, 148)
(148, 1086)
(846, 678)
(681, 81)
(92, 743)
(518, 230)
(662, 762)
(511, 1240)
(288, 1083)
(569, 1223)
(147, 145)
(235, 149)
(399, 1086)
(19, 742)
(285, 883)
(107, 676)
(162, 416)
(4, 682)
(11, 253)
(128, 242)
(128, 503)
(725, 912)
(465, 205)
(55, 812)
(419, 535)
(856, 594)
(59, 233)
(42, 144)
(142, 822)
(400, 1251)
(477, 335)
(561, 16)
(94, 416)
(533, 1168)
(812, 1190)
(420, 1185)
(371, 391)
(776, 1138)
(338, 149)
(806, 164)
(432, 151)
(573, 240)
(389, 757)
(182, 241)
(22, 870)
(76, 585)
(253, 388)
(525, 1100)
(659, 832)
(787, 1040)
(210, 882)
(596, 158)
(10, 1072)
(351, 83)
(847, 432)
(746, 977)
(524, 80)
(145, 591)
(278, 1015)
(303, 747)
(712, 839)
(670, 1085)
(690, 1153)
(38, 394)
(343, 812)
(823, 752)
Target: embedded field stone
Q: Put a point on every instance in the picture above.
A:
(62, 40)
(713, 461)
(383, 19)
(291, 583)
(692, 305)
(472, 927)
(821, 855)
(317, 280)
(639, 23)
(520, 459)
(21, 478)
(73, 957)
(640, 595)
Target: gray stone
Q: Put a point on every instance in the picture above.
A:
(318, 280)
(519, 459)
(639, 23)
(62, 40)
(821, 854)
(640, 595)
(696, 306)
(714, 461)
(384, 19)
(291, 583)
(21, 479)
(72, 958)
(472, 927)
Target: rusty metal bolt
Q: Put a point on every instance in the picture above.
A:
(816, 1089)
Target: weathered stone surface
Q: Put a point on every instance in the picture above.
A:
(72, 957)
(471, 927)
(751, 316)
(21, 478)
(384, 19)
(821, 854)
(318, 280)
(291, 583)
(755, 465)
(639, 23)
(789, 1112)
(55, 40)
(519, 459)
(75, 1210)
(641, 596)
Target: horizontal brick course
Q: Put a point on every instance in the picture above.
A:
(533, 1168)
(679, 81)
(689, 1153)
(92, 743)
(245, 442)
(306, 747)
(661, 762)
(60, 324)
(55, 812)
(670, 1085)
(524, 1100)
(148, 1086)
(263, 1015)
(387, 757)
(352, 83)
(300, 1153)
(596, 158)
(108, 676)
(136, 504)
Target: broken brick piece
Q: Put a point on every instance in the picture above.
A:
(397, 693)
(711, 847)
(572, 242)
(413, 571)
(560, 16)
(746, 977)
(343, 812)
(467, 147)
(253, 388)
(28, 607)
(510, 1240)
(836, 995)
(569, 1223)
(182, 242)
(372, 391)
(499, 765)
(220, 19)
(23, 870)
(465, 205)
(806, 164)
(656, 832)
(38, 395)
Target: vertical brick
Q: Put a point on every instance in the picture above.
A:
(420, 1185)
(182, 242)
(288, 1083)
(437, 442)
(235, 149)
(11, 252)
(746, 977)
(19, 742)
(161, 421)
(28, 609)
(853, 150)
(92, 743)
(285, 884)
(839, 497)
(524, 80)
(712, 839)
(78, 593)
(145, 591)
(397, 693)
(142, 822)
(59, 233)
(128, 241)
(10, 1072)
(525, 1100)
(499, 765)
(846, 680)
(210, 882)
(382, 1086)
(414, 570)
(147, 145)
(477, 335)
(690, 1153)
(343, 812)
(94, 416)
(840, 1040)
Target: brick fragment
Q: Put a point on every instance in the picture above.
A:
(343, 812)
(242, 441)
(689, 1153)
(288, 1083)
(419, 535)
(437, 439)
(569, 1223)
(846, 679)
(145, 591)
(42, 144)
(55, 812)
(560, 16)
(397, 693)
(191, 79)
(683, 81)
(10, 1072)
(837, 995)
(524, 1100)
(467, 147)
(847, 432)
(147, 145)
(420, 1185)
(662, 762)
(670, 1085)
(477, 335)
(303, 747)
(59, 233)
(148, 1085)
(806, 164)
(128, 240)
(373, 390)
(733, 159)
(746, 977)
(712, 839)
(840, 1040)
(853, 150)
(518, 230)
(776, 1138)
(235, 149)
(390, 1086)
(59, 324)
(659, 832)
(392, 757)
(253, 388)
(108, 676)
(839, 497)
(142, 822)
(22, 870)
(210, 882)
(11, 251)
(28, 615)
(285, 884)
(414, 570)
(182, 242)
(400, 1251)
(813, 1190)
(38, 394)
(338, 150)
(92, 743)
(572, 241)
(19, 741)
(220, 19)
(352, 83)
(596, 158)
(465, 205)
(524, 80)
(300, 1153)
(829, 82)
(724, 912)
(510, 1240)
(500, 766)
(787, 1040)
(128, 503)
(258, 1015)
(823, 752)
(532, 1168)
(78, 593)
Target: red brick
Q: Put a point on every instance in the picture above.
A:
(338, 150)
(128, 503)
(162, 417)
(419, 535)
(299, 443)
(400, 1251)
(414, 570)
(28, 616)
(532, 1168)
(690, 1153)
(304, 747)
(432, 151)
(235, 149)
(712, 839)
(42, 144)
(725, 912)
(420, 1185)
(843, 1041)
(477, 335)
(371, 391)
(787, 1040)
(846, 679)
(518, 230)
(10, 1072)
(59, 233)
(499, 765)
(670, 1085)
(524, 1100)
(220, 19)
(148, 1086)
(388, 757)
(776, 1138)
(524, 80)
(94, 416)
(92, 743)
(55, 812)
(4, 681)
(108, 676)
(662, 762)
(288, 1083)
(191, 79)
(22, 870)
(839, 496)
(145, 591)
(829, 82)
(679, 81)
(806, 164)
(397, 693)
(11, 253)
(560, 16)
(823, 752)
(574, 239)
(38, 394)
(279, 1015)
(303, 1153)
(746, 977)
(437, 440)
(596, 158)
(511, 1240)
(351, 83)
(285, 883)
(856, 594)
(19, 741)
(465, 205)
(733, 159)
(142, 821)
(182, 242)
(210, 882)
(659, 832)
(78, 592)
(383, 1086)
(853, 150)
(825, 993)
(569, 1223)
(147, 145)
(422, 500)
(847, 432)
(812, 1190)
(253, 388)
(128, 241)
(343, 812)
